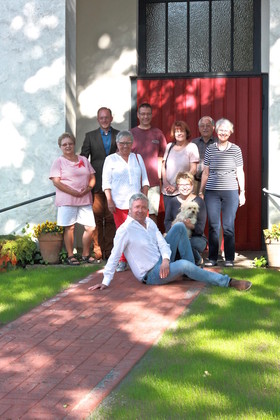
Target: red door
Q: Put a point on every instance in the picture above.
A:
(239, 100)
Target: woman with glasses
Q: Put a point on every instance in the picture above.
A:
(185, 187)
(224, 184)
(181, 155)
(124, 174)
(73, 178)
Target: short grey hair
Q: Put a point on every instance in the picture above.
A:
(222, 121)
(123, 134)
(210, 119)
(138, 196)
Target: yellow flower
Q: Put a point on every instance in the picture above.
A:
(47, 227)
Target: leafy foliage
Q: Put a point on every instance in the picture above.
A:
(273, 232)
(21, 248)
(260, 262)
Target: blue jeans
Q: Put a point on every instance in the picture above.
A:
(178, 240)
(198, 244)
(227, 202)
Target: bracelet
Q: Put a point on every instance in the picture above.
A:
(200, 193)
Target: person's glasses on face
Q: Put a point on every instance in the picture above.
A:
(67, 144)
(205, 126)
(184, 186)
(145, 114)
(221, 131)
(125, 143)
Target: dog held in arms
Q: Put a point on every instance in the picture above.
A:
(188, 210)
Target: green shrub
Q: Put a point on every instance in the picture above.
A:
(20, 247)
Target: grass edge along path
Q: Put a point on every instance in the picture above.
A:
(23, 289)
(222, 360)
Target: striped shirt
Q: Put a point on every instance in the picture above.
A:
(222, 167)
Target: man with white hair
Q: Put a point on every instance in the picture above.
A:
(206, 127)
(152, 258)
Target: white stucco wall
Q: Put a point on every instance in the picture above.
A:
(274, 111)
(32, 110)
(106, 57)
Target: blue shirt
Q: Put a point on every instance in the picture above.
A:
(106, 140)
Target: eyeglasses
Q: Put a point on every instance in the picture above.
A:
(145, 114)
(223, 131)
(205, 126)
(125, 143)
(184, 185)
(67, 144)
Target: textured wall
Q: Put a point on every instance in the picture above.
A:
(274, 110)
(106, 57)
(32, 105)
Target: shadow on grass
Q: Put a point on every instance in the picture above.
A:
(221, 361)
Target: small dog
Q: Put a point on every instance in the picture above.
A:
(188, 210)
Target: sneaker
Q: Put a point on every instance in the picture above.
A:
(122, 266)
(229, 263)
(200, 262)
(210, 263)
(240, 284)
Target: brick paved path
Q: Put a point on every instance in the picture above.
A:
(61, 359)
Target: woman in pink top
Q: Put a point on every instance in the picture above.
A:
(73, 177)
(180, 156)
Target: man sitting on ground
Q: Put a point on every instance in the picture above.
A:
(152, 258)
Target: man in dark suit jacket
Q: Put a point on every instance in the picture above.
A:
(98, 144)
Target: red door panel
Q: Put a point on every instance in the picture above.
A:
(239, 100)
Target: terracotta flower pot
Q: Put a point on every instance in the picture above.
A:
(50, 246)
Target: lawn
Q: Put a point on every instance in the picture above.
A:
(23, 289)
(220, 361)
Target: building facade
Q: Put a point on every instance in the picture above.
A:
(63, 60)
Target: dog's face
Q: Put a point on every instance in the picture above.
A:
(190, 208)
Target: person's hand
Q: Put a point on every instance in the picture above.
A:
(170, 189)
(111, 206)
(98, 286)
(242, 198)
(164, 269)
(85, 191)
(189, 224)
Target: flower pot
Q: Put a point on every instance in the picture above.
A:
(50, 246)
(273, 252)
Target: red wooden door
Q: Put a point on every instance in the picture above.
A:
(239, 100)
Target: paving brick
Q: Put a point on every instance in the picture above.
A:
(61, 359)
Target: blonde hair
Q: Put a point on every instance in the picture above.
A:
(185, 175)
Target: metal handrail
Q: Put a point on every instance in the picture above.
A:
(27, 202)
(270, 193)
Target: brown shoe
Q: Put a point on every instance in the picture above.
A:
(240, 284)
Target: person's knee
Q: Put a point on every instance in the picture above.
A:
(178, 228)
(89, 229)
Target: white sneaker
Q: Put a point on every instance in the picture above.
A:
(122, 266)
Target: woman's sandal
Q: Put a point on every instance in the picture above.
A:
(90, 260)
(72, 260)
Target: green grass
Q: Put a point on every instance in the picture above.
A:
(221, 361)
(23, 289)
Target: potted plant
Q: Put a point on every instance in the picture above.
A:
(272, 242)
(50, 238)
